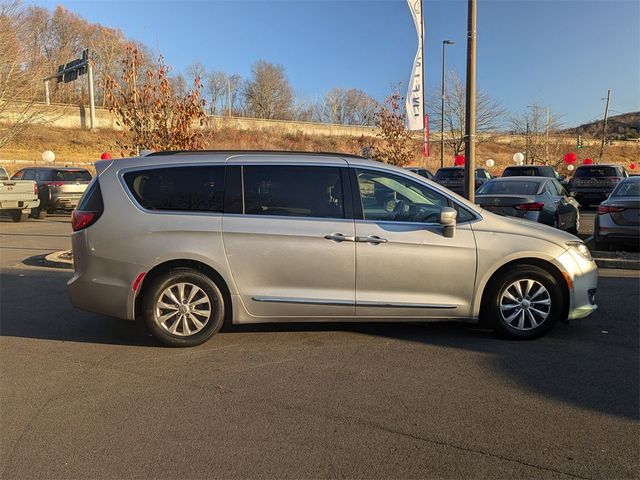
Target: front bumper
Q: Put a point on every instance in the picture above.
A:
(582, 282)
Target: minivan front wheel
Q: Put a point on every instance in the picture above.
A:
(524, 303)
(183, 308)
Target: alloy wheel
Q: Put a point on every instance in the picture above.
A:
(525, 304)
(183, 309)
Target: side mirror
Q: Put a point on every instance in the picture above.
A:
(448, 221)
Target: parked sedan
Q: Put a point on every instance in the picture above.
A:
(539, 199)
(618, 219)
(60, 188)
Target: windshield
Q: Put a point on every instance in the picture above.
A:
(627, 189)
(596, 172)
(71, 176)
(511, 187)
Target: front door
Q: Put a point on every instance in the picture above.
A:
(291, 250)
(406, 267)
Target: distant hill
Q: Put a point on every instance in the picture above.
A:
(619, 127)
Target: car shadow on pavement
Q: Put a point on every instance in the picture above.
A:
(592, 363)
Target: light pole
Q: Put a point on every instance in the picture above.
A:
(444, 79)
(470, 106)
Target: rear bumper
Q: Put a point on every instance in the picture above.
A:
(607, 230)
(19, 204)
(591, 198)
(65, 202)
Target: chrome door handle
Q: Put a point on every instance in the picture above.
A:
(339, 237)
(371, 239)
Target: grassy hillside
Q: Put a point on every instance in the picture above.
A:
(75, 145)
(619, 127)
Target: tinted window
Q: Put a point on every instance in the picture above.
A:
(29, 175)
(293, 191)
(627, 189)
(510, 187)
(71, 176)
(449, 173)
(18, 175)
(3, 174)
(199, 189)
(557, 187)
(42, 175)
(91, 201)
(596, 172)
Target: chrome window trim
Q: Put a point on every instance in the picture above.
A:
(438, 190)
(291, 217)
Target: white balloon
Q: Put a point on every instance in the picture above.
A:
(570, 167)
(490, 163)
(48, 156)
(518, 157)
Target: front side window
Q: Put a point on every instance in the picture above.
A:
(388, 197)
(293, 191)
(199, 189)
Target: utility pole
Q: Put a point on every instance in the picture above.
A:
(444, 80)
(526, 148)
(604, 124)
(470, 120)
(92, 100)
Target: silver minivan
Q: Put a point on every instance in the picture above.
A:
(188, 240)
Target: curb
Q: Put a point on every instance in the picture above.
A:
(62, 259)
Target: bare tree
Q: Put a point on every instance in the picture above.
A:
(349, 107)
(20, 83)
(489, 113)
(531, 127)
(268, 93)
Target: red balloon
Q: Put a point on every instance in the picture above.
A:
(459, 161)
(633, 166)
(105, 156)
(587, 161)
(570, 158)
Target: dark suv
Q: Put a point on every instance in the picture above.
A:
(535, 171)
(591, 184)
(60, 188)
(453, 178)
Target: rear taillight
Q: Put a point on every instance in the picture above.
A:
(80, 219)
(35, 189)
(604, 209)
(529, 207)
(55, 184)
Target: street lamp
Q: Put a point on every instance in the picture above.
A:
(444, 44)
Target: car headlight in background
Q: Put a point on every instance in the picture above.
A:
(581, 248)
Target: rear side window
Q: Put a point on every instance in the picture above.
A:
(42, 175)
(29, 175)
(197, 189)
(3, 174)
(596, 172)
(91, 201)
(296, 191)
(71, 176)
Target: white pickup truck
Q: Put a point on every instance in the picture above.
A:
(17, 197)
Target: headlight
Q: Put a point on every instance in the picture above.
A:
(581, 248)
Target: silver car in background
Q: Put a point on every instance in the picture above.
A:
(187, 240)
(618, 219)
(539, 199)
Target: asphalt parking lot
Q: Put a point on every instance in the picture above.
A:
(84, 396)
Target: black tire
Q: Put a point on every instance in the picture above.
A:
(17, 215)
(174, 277)
(38, 213)
(492, 315)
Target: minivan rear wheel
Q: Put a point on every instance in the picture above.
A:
(183, 308)
(524, 303)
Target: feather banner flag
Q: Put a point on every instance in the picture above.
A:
(414, 101)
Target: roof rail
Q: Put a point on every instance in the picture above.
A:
(281, 152)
